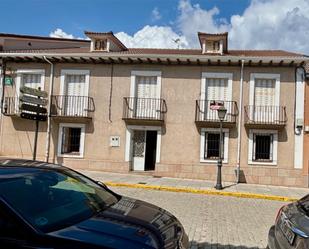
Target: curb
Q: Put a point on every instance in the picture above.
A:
(203, 191)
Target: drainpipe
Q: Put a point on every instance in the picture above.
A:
(50, 92)
(239, 121)
(3, 71)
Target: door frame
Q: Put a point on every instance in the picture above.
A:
(129, 142)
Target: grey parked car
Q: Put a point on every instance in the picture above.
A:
(291, 230)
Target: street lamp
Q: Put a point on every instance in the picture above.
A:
(221, 114)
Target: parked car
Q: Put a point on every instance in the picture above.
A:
(51, 206)
(291, 229)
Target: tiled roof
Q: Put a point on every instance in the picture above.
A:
(42, 37)
(140, 51)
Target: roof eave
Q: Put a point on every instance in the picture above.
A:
(201, 58)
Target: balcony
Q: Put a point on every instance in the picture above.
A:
(11, 106)
(144, 110)
(67, 106)
(205, 117)
(265, 116)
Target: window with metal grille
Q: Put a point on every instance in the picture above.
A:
(212, 145)
(262, 147)
(71, 140)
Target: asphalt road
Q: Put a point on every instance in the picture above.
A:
(215, 222)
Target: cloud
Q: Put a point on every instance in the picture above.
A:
(155, 14)
(153, 37)
(59, 33)
(275, 24)
(264, 24)
(192, 18)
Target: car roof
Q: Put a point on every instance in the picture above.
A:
(25, 163)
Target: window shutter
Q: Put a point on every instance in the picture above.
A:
(31, 80)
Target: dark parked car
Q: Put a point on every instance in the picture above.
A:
(291, 229)
(50, 206)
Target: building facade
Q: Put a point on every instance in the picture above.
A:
(119, 109)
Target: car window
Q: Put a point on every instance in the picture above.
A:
(51, 199)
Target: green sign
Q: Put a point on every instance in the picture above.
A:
(8, 81)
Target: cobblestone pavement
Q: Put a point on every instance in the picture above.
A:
(214, 222)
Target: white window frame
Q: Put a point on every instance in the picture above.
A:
(145, 73)
(215, 75)
(274, 146)
(64, 72)
(268, 76)
(20, 72)
(226, 132)
(82, 139)
(129, 144)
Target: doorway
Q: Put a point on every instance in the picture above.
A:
(144, 150)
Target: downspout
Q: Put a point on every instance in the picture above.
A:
(3, 67)
(239, 121)
(50, 92)
(111, 95)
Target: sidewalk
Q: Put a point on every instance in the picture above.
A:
(197, 186)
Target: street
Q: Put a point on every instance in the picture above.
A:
(215, 222)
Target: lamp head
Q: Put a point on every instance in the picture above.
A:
(221, 112)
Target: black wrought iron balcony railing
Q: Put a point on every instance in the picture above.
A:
(204, 113)
(11, 106)
(150, 109)
(72, 106)
(265, 115)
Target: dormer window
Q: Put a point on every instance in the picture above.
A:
(106, 42)
(100, 45)
(213, 43)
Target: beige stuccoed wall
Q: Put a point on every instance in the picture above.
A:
(180, 144)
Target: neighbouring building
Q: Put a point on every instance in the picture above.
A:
(120, 109)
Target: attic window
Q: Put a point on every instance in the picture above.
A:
(100, 44)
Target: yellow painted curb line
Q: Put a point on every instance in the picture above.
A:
(203, 191)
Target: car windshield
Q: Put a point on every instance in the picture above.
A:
(52, 199)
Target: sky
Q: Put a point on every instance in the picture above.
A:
(252, 24)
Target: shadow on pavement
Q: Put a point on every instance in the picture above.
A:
(206, 245)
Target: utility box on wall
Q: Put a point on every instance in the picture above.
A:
(114, 141)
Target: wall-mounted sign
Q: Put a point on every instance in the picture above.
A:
(8, 81)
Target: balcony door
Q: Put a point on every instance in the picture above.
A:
(146, 101)
(264, 100)
(216, 89)
(75, 95)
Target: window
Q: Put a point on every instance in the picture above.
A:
(210, 144)
(71, 140)
(33, 78)
(263, 147)
(100, 44)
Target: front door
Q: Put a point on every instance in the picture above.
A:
(146, 104)
(139, 149)
(75, 100)
(144, 150)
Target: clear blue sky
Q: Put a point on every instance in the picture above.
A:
(40, 17)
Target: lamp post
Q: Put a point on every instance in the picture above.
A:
(221, 114)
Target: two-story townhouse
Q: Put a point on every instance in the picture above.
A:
(120, 109)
